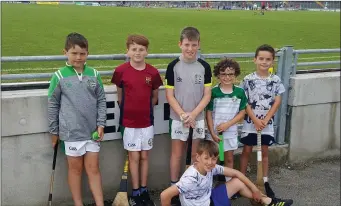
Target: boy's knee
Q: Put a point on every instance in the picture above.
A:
(237, 183)
(92, 169)
(144, 156)
(76, 170)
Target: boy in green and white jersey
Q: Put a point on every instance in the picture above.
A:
(226, 108)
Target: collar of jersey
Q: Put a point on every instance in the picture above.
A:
(186, 61)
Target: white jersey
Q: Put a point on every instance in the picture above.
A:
(195, 188)
(261, 93)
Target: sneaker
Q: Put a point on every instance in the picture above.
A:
(176, 201)
(235, 196)
(146, 199)
(281, 202)
(135, 201)
(268, 190)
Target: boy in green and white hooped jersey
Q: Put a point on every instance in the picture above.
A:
(76, 109)
(226, 108)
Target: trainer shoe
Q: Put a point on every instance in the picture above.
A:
(281, 202)
(268, 190)
(135, 201)
(176, 201)
(146, 199)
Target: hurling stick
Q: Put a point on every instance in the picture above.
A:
(259, 181)
(121, 198)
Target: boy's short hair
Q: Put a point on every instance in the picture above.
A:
(74, 39)
(190, 33)
(137, 39)
(208, 146)
(266, 47)
(225, 63)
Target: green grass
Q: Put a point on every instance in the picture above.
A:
(29, 30)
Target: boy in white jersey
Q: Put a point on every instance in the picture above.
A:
(226, 108)
(196, 184)
(263, 91)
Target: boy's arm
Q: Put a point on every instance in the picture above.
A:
(101, 103)
(209, 121)
(168, 194)
(119, 95)
(54, 93)
(116, 79)
(155, 96)
(233, 121)
(173, 103)
(157, 82)
(229, 172)
(202, 104)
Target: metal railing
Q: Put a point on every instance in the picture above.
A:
(287, 64)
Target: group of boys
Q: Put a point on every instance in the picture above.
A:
(77, 109)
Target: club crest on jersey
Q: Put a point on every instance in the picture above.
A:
(234, 98)
(148, 80)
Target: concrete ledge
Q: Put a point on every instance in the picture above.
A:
(315, 88)
(314, 130)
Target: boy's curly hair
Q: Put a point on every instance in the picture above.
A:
(226, 63)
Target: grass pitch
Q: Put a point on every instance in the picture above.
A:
(34, 30)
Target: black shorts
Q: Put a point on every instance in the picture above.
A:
(263, 7)
(251, 139)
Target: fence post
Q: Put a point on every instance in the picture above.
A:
(285, 77)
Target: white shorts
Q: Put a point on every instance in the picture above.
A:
(178, 131)
(77, 149)
(138, 139)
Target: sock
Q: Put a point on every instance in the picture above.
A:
(228, 179)
(173, 182)
(143, 189)
(136, 192)
(265, 179)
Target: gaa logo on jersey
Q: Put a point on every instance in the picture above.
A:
(148, 80)
(91, 83)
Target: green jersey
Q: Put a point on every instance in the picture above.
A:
(225, 106)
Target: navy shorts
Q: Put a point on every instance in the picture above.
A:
(251, 139)
(219, 196)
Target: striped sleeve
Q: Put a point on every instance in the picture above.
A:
(169, 77)
(208, 73)
(54, 94)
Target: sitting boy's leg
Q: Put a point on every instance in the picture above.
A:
(75, 168)
(235, 185)
(91, 164)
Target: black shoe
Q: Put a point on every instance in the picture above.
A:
(235, 196)
(268, 190)
(281, 202)
(146, 199)
(135, 201)
(176, 201)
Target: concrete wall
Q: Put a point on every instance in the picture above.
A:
(27, 153)
(314, 129)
